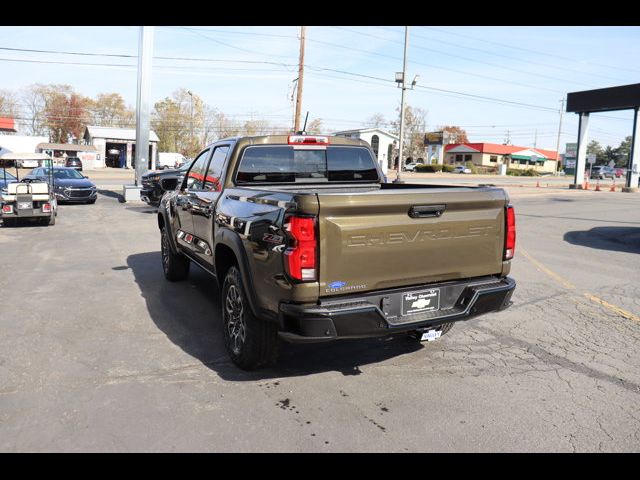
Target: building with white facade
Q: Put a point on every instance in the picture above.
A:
(382, 143)
(20, 143)
(116, 147)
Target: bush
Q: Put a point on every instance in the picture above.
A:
(529, 172)
(448, 168)
(428, 168)
(487, 170)
(471, 166)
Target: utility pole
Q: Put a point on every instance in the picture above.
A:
(296, 126)
(402, 81)
(535, 139)
(145, 57)
(559, 131)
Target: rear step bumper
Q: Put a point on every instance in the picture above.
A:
(379, 313)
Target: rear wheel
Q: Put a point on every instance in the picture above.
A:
(250, 342)
(174, 265)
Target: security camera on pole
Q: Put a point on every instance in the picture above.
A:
(400, 80)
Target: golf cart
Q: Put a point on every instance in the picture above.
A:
(26, 199)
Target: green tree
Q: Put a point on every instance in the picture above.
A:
(594, 148)
(623, 151)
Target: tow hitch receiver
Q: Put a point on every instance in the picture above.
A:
(427, 335)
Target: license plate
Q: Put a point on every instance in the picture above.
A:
(25, 205)
(420, 302)
(430, 335)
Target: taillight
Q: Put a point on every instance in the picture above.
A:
(301, 256)
(308, 140)
(510, 234)
(46, 208)
(7, 209)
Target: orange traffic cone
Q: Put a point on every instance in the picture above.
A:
(598, 186)
(538, 184)
(613, 186)
(586, 185)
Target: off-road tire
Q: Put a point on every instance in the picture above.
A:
(174, 265)
(91, 202)
(250, 342)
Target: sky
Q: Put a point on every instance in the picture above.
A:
(491, 81)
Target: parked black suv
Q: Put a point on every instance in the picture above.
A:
(73, 162)
(152, 190)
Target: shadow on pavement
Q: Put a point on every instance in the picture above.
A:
(619, 239)
(188, 313)
(111, 194)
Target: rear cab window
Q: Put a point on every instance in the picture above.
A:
(286, 164)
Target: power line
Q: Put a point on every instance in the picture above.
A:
(473, 59)
(528, 50)
(231, 32)
(231, 46)
(335, 45)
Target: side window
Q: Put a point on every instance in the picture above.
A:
(196, 173)
(214, 172)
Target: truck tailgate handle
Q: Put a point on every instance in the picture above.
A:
(424, 211)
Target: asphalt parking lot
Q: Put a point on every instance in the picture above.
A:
(99, 353)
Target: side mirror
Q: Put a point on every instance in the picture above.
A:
(168, 184)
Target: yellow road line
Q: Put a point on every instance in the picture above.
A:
(562, 281)
(570, 286)
(613, 308)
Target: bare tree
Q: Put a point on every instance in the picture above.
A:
(110, 110)
(376, 120)
(415, 124)
(315, 127)
(8, 103)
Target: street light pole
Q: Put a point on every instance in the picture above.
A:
(402, 82)
(145, 57)
(559, 133)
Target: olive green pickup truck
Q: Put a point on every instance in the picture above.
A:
(309, 243)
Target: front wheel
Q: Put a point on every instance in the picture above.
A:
(250, 342)
(174, 265)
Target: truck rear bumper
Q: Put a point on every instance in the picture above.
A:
(380, 313)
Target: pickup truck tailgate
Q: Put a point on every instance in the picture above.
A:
(396, 237)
